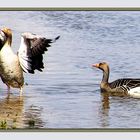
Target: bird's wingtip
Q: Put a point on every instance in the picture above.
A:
(57, 37)
(53, 40)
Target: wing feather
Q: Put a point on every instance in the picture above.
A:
(31, 51)
(2, 39)
(125, 84)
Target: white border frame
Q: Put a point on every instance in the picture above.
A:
(70, 3)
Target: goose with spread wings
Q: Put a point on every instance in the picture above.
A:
(28, 58)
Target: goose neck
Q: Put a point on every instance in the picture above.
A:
(105, 76)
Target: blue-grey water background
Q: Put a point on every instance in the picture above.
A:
(67, 93)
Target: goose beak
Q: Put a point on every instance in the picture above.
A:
(95, 65)
(6, 30)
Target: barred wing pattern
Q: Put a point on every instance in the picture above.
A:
(2, 39)
(125, 84)
(31, 51)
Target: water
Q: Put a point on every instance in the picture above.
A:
(67, 93)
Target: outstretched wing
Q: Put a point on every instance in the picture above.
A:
(31, 51)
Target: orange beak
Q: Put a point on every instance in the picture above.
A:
(95, 65)
(6, 30)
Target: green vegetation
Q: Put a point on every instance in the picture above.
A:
(4, 124)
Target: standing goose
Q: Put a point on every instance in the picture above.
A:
(28, 58)
(128, 86)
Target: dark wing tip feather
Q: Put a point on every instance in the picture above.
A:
(31, 71)
(57, 37)
(37, 47)
(53, 40)
(2, 39)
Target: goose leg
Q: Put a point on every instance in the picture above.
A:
(8, 89)
(21, 91)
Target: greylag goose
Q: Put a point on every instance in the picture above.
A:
(128, 86)
(28, 58)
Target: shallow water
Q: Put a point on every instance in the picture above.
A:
(67, 93)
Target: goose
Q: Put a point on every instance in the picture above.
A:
(28, 58)
(128, 86)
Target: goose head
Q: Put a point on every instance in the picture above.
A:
(105, 68)
(8, 35)
(102, 66)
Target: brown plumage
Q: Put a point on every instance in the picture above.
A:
(127, 85)
(28, 59)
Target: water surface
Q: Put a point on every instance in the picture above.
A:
(67, 93)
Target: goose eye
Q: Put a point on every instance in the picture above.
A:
(103, 63)
(100, 64)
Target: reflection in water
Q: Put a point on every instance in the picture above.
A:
(105, 101)
(11, 112)
(104, 110)
(13, 115)
(33, 117)
(105, 107)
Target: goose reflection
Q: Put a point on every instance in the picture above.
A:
(14, 114)
(104, 110)
(11, 112)
(105, 101)
(106, 97)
